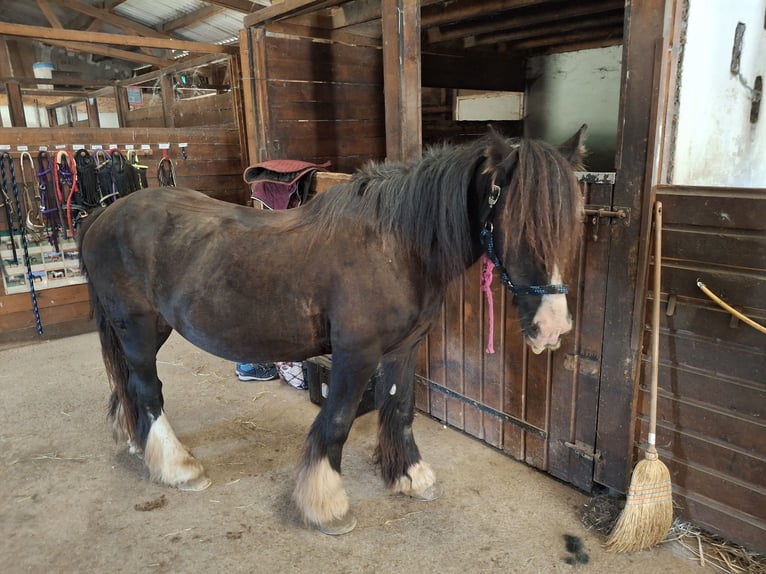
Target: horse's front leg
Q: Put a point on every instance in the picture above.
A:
(319, 491)
(397, 454)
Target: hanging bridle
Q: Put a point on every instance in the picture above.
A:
(488, 242)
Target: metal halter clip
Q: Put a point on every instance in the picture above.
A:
(494, 194)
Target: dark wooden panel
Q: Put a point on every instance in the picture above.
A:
(475, 72)
(712, 321)
(745, 249)
(315, 101)
(708, 452)
(736, 396)
(742, 432)
(713, 207)
(473, 351)
(720, 519)
(735, 361)
(215, 110)
(302, 59)
(577, 364)
(725, 490)
(741, 289)
(454, 353)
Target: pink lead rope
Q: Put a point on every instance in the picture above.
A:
(486, 286)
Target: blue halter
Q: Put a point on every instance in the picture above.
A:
(488, 242)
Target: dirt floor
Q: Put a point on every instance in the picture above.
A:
(71, 500)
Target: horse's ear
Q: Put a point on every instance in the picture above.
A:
(574, 148)
(501, 157)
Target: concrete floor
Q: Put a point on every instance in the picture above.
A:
(71, 500)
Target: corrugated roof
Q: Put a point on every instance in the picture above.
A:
(222, 27)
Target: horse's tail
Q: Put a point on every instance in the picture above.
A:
(122, 409)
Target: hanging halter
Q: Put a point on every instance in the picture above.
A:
(20, 218)
(488, 242)
(66, 173)
(48, 201)
(166, 173)
(33, 207)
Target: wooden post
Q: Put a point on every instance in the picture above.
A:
(167, 88)
(401, 78)
(15, 104)
(122, 105)
(91, 105)
(619, 367)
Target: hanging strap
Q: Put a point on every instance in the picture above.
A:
(6, 156)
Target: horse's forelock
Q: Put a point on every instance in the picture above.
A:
(546, 201)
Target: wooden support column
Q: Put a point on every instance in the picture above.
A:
(620, 352)
(15, 105)
(401, 77)
(122, 105)
(91, 105)
(168, 99)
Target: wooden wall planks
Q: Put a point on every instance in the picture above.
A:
(712, 375)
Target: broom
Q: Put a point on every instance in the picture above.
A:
(648, 514)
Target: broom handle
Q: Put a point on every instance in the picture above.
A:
(652, 438)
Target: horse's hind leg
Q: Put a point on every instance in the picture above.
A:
(319, 491)
(397, 454)
(137, 405)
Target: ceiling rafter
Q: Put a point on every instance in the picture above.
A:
(49, 14)
(244, 6)
(109, 18)
(190, 19)
(513, 21)
(97, 38)
(550, 32)
(89, 48)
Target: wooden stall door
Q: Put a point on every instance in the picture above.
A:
(540, 409)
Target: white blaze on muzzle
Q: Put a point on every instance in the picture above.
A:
(552, 319)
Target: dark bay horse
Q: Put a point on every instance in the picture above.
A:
(360, 271)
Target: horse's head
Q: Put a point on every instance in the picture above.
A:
(531, 224)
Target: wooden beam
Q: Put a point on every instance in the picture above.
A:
(514, 22)
(446, 13)
(41, 33)
(401, 78)
(6, 65)
(174, 67)
(551, 34)
(287, 8)
(168, 99)
(109, 18)
(244, 6)
(353, 13)
(91, 105)
(66, 82)
(190, 18)
(110, 52)
(15, 105)
(45, 8)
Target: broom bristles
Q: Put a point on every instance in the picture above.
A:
(648, 514)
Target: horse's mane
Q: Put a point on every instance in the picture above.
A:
(425, 203)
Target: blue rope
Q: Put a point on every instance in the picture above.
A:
(24, 244)
(488, 240)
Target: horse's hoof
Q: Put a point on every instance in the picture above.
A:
(342, 525)
(433, 492)
(196, 484)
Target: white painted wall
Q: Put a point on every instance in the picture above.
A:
(715, 142)
(567, 90)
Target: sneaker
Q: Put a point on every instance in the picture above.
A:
(256, 371)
